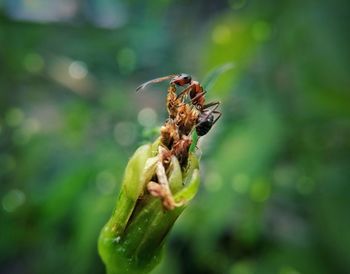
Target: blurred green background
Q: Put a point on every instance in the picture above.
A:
(275, 195)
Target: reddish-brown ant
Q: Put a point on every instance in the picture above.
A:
(206, 118)
(196, 92)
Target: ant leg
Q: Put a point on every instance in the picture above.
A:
(198, 95)
(213, 110)
(217, 118)
(190, 88)
(185, 91)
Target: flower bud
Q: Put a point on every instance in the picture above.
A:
(132, 239)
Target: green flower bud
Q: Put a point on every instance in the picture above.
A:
(132, 239)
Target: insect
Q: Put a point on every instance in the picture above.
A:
(205, 118)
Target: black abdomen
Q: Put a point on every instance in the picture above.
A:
(204, 124)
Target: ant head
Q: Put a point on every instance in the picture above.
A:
(181, 79)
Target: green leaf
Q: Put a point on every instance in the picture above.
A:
(213, 75)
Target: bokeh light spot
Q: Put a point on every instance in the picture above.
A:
(31, 126)
(240, 183)
(77, 70)
(242, 267)
(23, 134)
(260, 191)
(213, 182)
(33, 62)
(14, 117)
(261, 31)
(125, 133)
(105, 182)
(147, 117)
(288, 270)
(221, 34)
(126, 59)
(12, 200)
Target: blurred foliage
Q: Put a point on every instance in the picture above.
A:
(275, 196)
